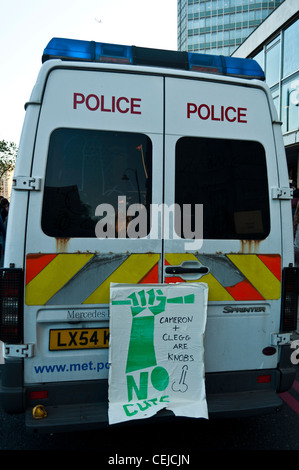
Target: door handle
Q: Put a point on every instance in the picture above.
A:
(185, 270)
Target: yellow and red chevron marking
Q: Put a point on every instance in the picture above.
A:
(260, 276)
(48, 274)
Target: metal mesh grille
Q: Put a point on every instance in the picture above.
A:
(290, 299)
(11, 305)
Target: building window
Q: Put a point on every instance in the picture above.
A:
(260, 58)
(275, 96)
(289, 103)
(290, 49)
(272, 62)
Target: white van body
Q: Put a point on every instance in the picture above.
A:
(198, 137)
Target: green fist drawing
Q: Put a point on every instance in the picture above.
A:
(141, 352)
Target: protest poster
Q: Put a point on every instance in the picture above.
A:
(156, 351)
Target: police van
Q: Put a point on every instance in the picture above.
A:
(112, 133)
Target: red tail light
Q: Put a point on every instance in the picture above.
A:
(263, 379)
(39, 395)
(290, 292)
(11, 305)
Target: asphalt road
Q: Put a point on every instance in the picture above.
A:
(277, 431)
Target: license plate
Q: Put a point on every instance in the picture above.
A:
(78, 338)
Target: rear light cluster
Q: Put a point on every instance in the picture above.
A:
(11, 305)
(38, 395)
(264, 379)
(290, 293)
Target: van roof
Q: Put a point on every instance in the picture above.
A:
(90, 51)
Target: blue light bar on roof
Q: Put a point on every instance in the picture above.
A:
(244, 67)
(233, 66)
(72, 49)
(205, 63)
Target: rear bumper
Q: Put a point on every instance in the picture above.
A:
(74, 406)
(80, 417)
(246, 393)
(250, 392)
(233, 405)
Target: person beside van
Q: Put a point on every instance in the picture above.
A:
(4, 210)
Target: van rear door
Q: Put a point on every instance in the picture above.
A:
(99, 142)
(220, 154)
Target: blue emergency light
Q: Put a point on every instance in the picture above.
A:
(73, 49)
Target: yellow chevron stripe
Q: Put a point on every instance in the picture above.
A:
(175, 259)
(131, 271)
(258, 275)
(53, 277)
(64, 266)
(216, 290)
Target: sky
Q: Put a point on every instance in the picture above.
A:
(28, 25)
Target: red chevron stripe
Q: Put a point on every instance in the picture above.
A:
(152, 277)
(35, 264)
(273, 263)
(244, 291)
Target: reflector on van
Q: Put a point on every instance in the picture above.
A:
(73, 49)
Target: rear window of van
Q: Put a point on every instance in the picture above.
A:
(88, 168)
(229, 178)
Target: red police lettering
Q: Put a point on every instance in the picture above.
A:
(78, 99)
(232, 118)
(242, 114)
(103, 106)
(106, 104)
(126, 109)
(205, 114)
(94, 99)
(135, 103)
(217, 113)
(213, 116)
(191, 109)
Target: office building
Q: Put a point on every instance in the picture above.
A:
(219, 26)
(275, 45)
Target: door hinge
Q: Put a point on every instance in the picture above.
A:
(282, 193)
(19, 350)
(26, 183)
(278, 339)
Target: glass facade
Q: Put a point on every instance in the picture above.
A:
(219, 26)
(280, 61)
